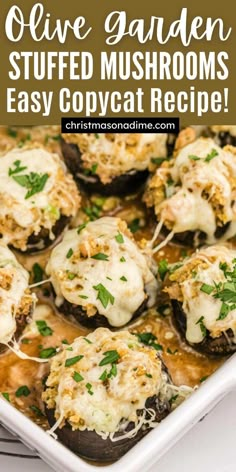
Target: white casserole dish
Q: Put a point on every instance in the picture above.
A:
(148, 450)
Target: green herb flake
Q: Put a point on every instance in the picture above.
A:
(202, 326)
(77, 377)
(6, 396)
(18, 168)
(110, 357)
(211, 155)
(171, 352)
(36, 410)
(149, 376)
(69, 253)
(119, 238)
(194, 158)
(84, 297)
(71, 275)
(47, 353)
(12, 132)
(134, 226)
(43, 328)
(25, 341)
(104, 375)
(113, 371)
(158, 160)
(37, 273)
(122, 259)
(123, 278)
(64, 341)
(89, 388)
(100, 257)
(173, 399)
(163, 268)
(73, 360)
(22, 391)
(81, 227)
(94, 168)
(207, 288)
(34, 182)
(203, 378)
(87, 340)
(93, 212)
(69, 348)
(96, 135)
(104, 295)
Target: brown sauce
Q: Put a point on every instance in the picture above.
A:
(185, 365)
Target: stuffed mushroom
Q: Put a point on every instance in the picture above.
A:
(113, 164)
(100, 276)
(203, 293)
(37, 198)
(105, 392)
(16, 301)
(224, 134)
(193, 194)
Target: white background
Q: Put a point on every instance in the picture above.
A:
(209, 447)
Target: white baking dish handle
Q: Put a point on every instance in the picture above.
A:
(148, 450)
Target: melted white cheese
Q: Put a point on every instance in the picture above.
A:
(28, 215)
(100, 237)
(116, 154)
(10, 294)
(119, 397)
(196, 303)
(203, 191)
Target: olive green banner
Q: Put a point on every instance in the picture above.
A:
(103, 58)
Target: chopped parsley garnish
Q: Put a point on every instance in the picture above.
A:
(81, 227)
(150, 340)
(123, 278)
(69, 253)
(77, 377)
(211, 155)
(64, 341)
(163, 268)
(23, 391)
(202, 326)
(34, 182)
(203, 378)
(173, 399)
(43, 328)
(93, 212)
(149, 376)
(47, 353)
(224, 291)
(194, 158)
(71, 275)
(110, 357)
(18, 168)
(73, 360)
(170, 351)
(122, 259)
(25, 341)
(100, 257)
(104, 296)
(23, 140)
(87, 340)
(11, 132)
(37, 273)
(36, 410)
(94, 168)
(84, 297)
(183, 253)
(69, 348)
(158, 160)
(207, 288)
(104, 375)
(119, 238)
(134, 226)
(89, 388)
(6, 396)
(96, 135)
